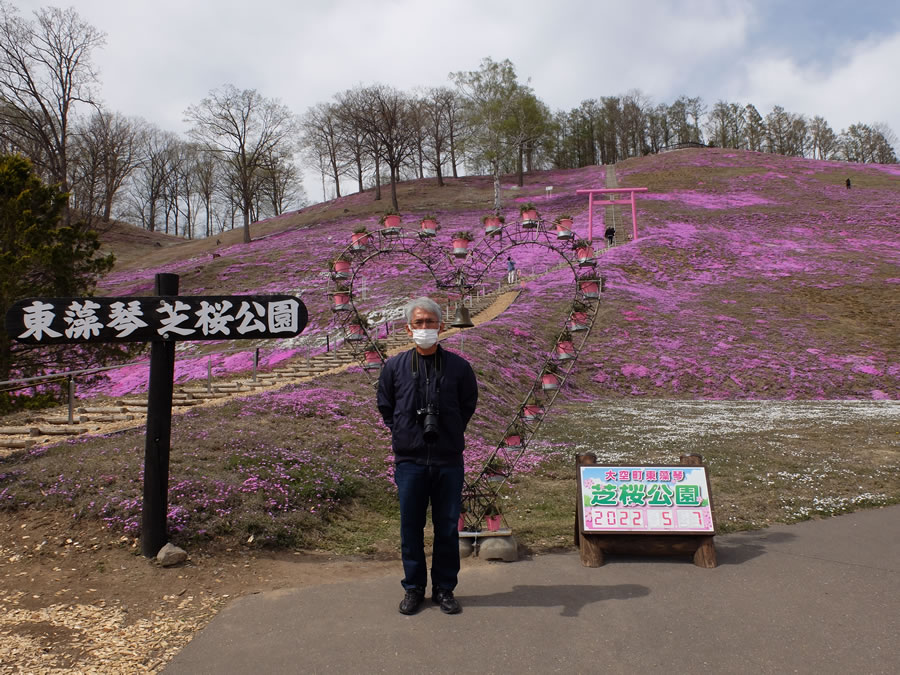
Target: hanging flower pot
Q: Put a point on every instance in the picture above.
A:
(356, 332)
(372, 355)
(460, 247)
(428, 226)
(549, 382)
(565, 350)
(493, 223)
(390, 223)
(461, 241)
(577, 321)
(493, 522)
(529, 215)
(390, 220)
(372, 360)
(530, 412)
(359, 239)
(564, 228)
(513, 440)
(340, 269)
(590, 288)
(461, 524)
(341, 301)
(584, 252)
(532, 409)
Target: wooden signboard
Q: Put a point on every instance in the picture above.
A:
(50, 321)
(645, 499)
(644, 510)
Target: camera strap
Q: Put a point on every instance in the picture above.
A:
(438, 362)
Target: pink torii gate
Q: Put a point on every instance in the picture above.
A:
(630, 200)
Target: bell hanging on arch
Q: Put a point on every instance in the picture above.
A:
(462, 319)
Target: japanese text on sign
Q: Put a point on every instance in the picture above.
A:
(645, 499)
(46, 321)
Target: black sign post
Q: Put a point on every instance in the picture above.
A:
(158, 433)
(160, 320)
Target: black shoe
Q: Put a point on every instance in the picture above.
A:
(412, 601)
(449, 604)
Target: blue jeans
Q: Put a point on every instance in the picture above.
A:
(442, 486)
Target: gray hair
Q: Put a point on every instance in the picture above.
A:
(424, 303)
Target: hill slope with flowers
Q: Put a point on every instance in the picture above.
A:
(755, 276)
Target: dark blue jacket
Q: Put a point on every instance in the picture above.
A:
(401, 393)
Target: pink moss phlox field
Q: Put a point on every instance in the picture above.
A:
(805, 235)
(743, 224)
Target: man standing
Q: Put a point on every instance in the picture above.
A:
(510, 270)
(426, 397)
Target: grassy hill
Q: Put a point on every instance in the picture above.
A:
(755, 279)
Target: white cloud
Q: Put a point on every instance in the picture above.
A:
(862, 88)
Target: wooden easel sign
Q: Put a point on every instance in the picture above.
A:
(646, 499)
(644, 510)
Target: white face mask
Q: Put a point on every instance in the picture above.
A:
(424, 337)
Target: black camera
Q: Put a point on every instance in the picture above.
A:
(428, 416)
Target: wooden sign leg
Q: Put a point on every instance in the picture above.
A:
(705, 555)
(588, 545)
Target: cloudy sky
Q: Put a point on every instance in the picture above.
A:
(837, 59)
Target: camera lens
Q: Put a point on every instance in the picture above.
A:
(430, 424)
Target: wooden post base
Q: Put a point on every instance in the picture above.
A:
(699, 546)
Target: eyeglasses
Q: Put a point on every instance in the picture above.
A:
(425, 323)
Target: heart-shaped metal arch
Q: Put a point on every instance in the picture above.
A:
(481, 492)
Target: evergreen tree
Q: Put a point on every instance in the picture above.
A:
(40, 257)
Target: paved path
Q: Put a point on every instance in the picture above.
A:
(820, 596)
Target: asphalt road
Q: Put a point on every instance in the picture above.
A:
(820, 596)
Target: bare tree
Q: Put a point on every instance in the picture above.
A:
(354, 141)
(150, 179)
(391, 125)
(206, 177)
(105, 153)
(357, 109)
(322, 137)
(240, 128)
(436, 108)
(281, 184)
(45, 68)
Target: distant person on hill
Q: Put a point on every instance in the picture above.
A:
(610, 235)
(427, 396)
(848, 183)
(510, 270)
